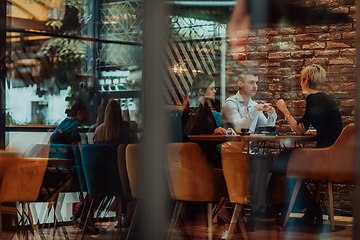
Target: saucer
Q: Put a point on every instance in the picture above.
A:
(245, 134)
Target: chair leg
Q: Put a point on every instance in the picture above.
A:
(209, 211)
(175, 218)
(133, 220)
(331, 206)
(292, 201)
(350, 189)
(233, 221)
(119, 211)
(87, 218)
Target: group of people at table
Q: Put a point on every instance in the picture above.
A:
(238, 112)
(109, 128)
(241, 112)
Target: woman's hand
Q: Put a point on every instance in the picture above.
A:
(220, 131)
(281, 105)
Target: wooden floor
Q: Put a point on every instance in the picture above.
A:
(264, 229)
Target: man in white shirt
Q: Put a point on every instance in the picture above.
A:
(240, 111)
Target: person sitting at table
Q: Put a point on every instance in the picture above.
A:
(114, 132)
(199, 118)
(240, 111)
(323, 114)
(67, 131)
(100, 115)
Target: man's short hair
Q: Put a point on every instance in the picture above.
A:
(244, 72)
(316, 76)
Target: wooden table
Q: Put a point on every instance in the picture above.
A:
(251, 138)
(263, 139)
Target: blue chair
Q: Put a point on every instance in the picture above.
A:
(173, 123)
(101, 172)
(79, 169)
(217, 116)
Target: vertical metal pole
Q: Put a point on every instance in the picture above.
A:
(3, 5)
(356, 199)
(154, 179)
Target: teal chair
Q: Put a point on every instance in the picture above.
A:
(100, 165)
(217, 116)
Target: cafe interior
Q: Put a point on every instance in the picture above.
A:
(74, 72)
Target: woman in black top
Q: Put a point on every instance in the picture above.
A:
(197, 117)
(323, 114)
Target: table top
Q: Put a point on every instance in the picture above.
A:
(54, 161)
(251, 138)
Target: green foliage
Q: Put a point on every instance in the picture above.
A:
(66, 50)
(73, 3)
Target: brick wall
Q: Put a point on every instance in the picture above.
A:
(279, 55)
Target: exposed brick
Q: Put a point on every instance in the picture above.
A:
(273, 55)
(348, 103)
(348, 52)
(258, 40)
(319, 61)
(291, 30)
(238, 56)
(338, 44)
(341, 61)
(305, 37)
(288, 95)
(251, 48)
(314, 45)
(327, 3)
(302, 54)
(340, 27)
(340, 10)
(241, 49)
(348, 35)
(347, 86)
(291, 79)
(282, 38)
(344, 112)
(268, 31)
(316, 28)
(252, 33)
(332, 53)
(273, 87)
(250, 63)
(353, 9)
(291, 62)
(345, 2)
(290, 46)
(331, 87)
(257, 55)
(329, 36)
(262, 70)
(269, 63)
(347, 70)
(264, 79)
(281, 71)
(300, 103)
(267, 48)
(342, 78)
(332, 69)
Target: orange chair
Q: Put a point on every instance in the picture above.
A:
(236, 167)
(192, 178)
(21, 179)
(334, 163)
